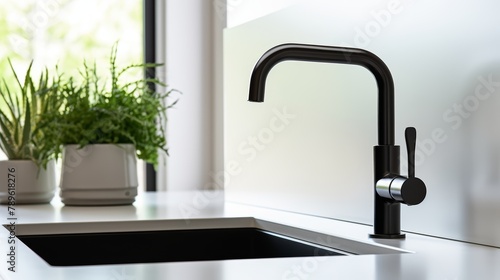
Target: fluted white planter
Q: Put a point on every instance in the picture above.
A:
(99, 174)
(22, 181)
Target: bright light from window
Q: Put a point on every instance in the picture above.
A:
(65, 32)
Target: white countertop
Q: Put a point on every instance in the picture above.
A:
(431, 258)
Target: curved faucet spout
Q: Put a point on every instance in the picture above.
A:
(314, 53)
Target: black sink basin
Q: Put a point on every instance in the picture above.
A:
(168, 246)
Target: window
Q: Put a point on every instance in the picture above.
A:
(65, 32)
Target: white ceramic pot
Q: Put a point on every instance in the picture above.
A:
(22, 181)
(99, 174)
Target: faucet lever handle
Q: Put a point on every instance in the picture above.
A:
(411, 143)
(411, 190)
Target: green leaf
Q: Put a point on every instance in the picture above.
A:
(27, 125)
(4, 120)
(9, 152)
(10, 102)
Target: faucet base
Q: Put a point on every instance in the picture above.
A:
(388, 236)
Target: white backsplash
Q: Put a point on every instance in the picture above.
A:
(308, 147)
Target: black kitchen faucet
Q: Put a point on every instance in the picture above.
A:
(391, 189)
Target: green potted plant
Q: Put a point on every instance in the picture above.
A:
(28, 176)
(103, 126)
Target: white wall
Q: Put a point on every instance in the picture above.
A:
(308, 147)
(241, 11)
(194, 129)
